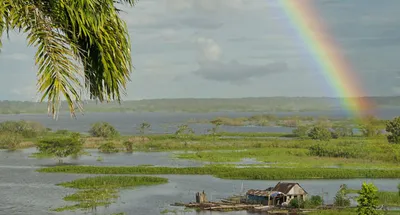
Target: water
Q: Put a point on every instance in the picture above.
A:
(126, 123)
(24, 191)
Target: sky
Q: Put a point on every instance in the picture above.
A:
(235, 48)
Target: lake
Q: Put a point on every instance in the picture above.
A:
(24, 191)
(126, 123)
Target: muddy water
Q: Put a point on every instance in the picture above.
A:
(24, 191)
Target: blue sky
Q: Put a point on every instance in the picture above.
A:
(235, 48)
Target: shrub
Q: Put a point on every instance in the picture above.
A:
(103, 129)
(296, 203)
(10, 141)
(108, 147)
(128, 145)
(341, 199)
(301, 131)
(368, 200)
(320, 133)
(393, 127)
(313, 202)
(27, 129)
(61, 147)
(343, 131)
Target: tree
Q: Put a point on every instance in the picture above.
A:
(215, 129)
(370, 126)
(320, 133)
(143, 128)
(184, 132)
(341, 198)
(83, 47)
(368, 200)
(393, 127)
(103, 129)
(61, 147)
(301, 131)
(314, 202)
(343, 130)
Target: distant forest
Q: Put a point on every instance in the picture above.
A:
(261, 104)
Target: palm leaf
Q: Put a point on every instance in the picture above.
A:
(83, 46)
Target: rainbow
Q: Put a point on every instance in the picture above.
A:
(336, 70)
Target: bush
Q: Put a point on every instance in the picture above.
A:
(128, 146)
(10, 141)
(27, 129)
(296, 203)
(103, 129)
(313, 202)
(368, 200)
(61, 147)
(320, 133)
(341, 199)
(393, 127)
(108, 147)
(301, 131)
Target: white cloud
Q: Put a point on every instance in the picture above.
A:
(209, 49)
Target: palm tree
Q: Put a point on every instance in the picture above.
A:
(83, 47)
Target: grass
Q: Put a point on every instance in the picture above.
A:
(102, 191)
(230, 172)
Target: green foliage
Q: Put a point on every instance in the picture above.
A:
(320, 133)
(10, 141)
(313, 202)
(144, 127)
(231, 172)
(368, 200)
(341, 199)
(61, 147)
(370, 126)
(296, 203)
(82, 46)
(393, 127)
(27, 129)
(100, 191)
(128, 145)
(398, 187)
(301, 131)
(343, 131)
(108, 147)
(184, 132)
(103, 129)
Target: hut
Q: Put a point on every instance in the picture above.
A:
(282, 193)
(290, 191)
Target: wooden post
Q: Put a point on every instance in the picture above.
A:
(201, 197)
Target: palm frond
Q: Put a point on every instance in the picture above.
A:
(82, 45)
(59, 72)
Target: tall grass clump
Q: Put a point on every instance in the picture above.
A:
(102, 191)
(108, 147)
(10, 141)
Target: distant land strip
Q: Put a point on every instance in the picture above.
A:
(203, 105)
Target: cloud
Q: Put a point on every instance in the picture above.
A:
(209, 49)
(237, 73)
(211, 66)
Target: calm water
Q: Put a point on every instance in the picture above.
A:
(25, 191)
(167, 122)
